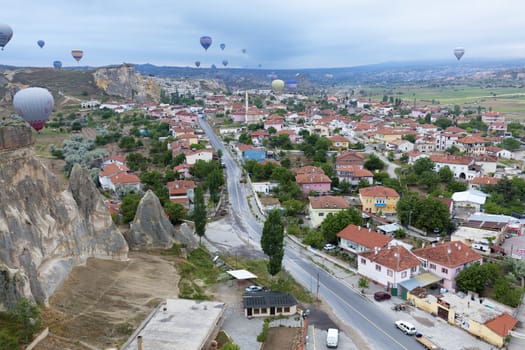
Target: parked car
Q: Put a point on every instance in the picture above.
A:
(328, 247)
(254, 288)
(406, 327)
(380, 296)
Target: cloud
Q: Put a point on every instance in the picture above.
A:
(275, 33)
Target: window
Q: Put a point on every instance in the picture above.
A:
(287, 309)
(378, 267)
(263, 310)
(444, 270)
(424, 264)
(363, 261)
(279, 310)
(390, 273)
(321, 214)
(256, 311)
(458, 269)
(414, 269)
(432, 266)
(403, 274)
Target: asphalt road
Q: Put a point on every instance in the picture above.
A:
(352, 309)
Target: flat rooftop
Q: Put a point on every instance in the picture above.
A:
(178, 324)
(475, 310)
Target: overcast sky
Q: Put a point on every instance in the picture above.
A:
(275, 33)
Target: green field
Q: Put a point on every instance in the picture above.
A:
(510, 101)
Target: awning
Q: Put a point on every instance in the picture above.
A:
(427, 279)
(242, 274)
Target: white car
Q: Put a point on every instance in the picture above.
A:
(328, 247)
(406, 327)
(254, 288)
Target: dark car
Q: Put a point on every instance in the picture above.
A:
(379, 296)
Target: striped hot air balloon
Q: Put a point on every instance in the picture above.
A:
(77, 54)
(205, 42)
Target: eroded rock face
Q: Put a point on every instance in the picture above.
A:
(45, 231)
(124, 81)
(14, 133)
(152, 229)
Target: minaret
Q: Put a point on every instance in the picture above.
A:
(246, 109)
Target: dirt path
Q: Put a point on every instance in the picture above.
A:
(103, 302)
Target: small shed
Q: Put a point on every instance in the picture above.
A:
(264, 304)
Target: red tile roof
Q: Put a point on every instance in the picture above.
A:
(449, 159)
(396, 258)
(502, 324)
(364, 236)
(180, 187)
(378, 191)
(328, 202)
(338, 138)
(471, 140)
(308, 169)
(450, 254)
(125, 178)
(112, 169)
(312, 178)
(484, 180)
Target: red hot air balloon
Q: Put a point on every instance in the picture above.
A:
(34, 105)
(205, 42)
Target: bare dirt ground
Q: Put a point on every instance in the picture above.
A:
(101, 303)
(282, 338)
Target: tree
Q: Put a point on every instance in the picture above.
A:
(230, 346)
(313, 238)
(199, 212)
(293, 207)
(429, 180)
(443, 123)
(8, 341)
(127, 142)
(432, 214)
(409, 137)
(423, 164)
(472, 278)
(175, 211)
(27, 316)
(334, 223)
(510, 144)
(129, 206)
(271, 130)
(445, 174)
(517, 267)
(272, 241)
(374, 163)
(363, 284)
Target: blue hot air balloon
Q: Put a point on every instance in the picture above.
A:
(197, 64)
(41, 43)
(222, 46)
(291, 84)
(224, 63)
(206, 42)
(243, 50)
(6, 33)
(57, 64)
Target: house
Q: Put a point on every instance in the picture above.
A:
(480, 181)
(481, 317)
(389, 134)
(183, 169)
(121, 160)
(461, 166)
(319, 183)
(204, 154)
(473, 199)
(320, 207)
(108, 171)
(473, 145)
(268, 304)
(399, 145)
(357, 239)
(354, 174)
(349, 158)
(447, 259)
(339, 142)
(388, 266)
(124, 179)
(182, 192)
(258, 136)
(274, 121)
(377, 199)
(264, 187)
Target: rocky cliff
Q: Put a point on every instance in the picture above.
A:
(151, 228)
(124, 81)
(45, 231)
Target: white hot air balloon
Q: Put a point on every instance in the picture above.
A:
(6, 33)
(277, 85)
(35, 105)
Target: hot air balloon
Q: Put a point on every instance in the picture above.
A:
(243, 50)
(260, 65)
(224, 63)
(277, 85)
(206, 42)
(34, 105)
(57, 64)
(213, 66)
(41, 43)
(291, 84)
(6, 33)
(459, 52)
(197, 64)
(222, 46)
(77, 54)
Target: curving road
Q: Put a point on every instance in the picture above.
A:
(351, 308)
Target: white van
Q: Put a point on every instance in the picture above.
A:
(406, 327)
(332, 338)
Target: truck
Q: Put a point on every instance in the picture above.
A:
(332, 338)
(426, 342)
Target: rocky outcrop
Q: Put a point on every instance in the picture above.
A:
(14, 134)
(151, 228)
(45, 231)
(124, 81)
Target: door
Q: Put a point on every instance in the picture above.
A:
(272, 311)
(443, 313)
(249, 312)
